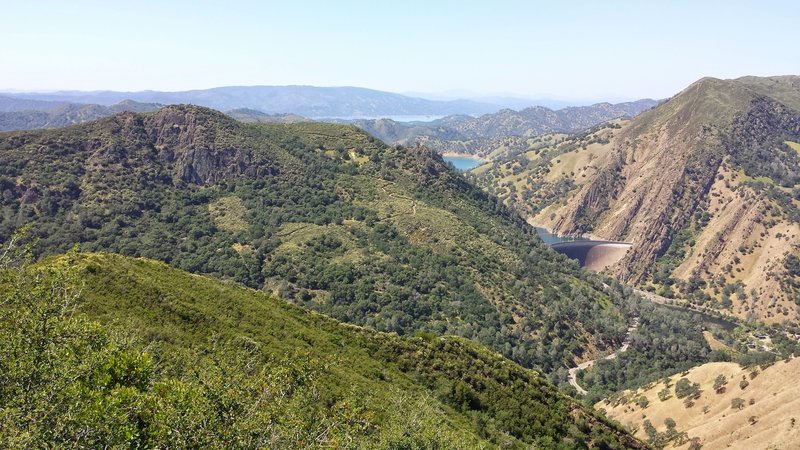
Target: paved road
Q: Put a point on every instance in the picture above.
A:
(655, 298)
(573, 373)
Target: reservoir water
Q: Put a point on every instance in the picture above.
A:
(398, 118)
(592, 254)
(463, 164)
(550, 238)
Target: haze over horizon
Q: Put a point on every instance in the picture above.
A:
(573, 50)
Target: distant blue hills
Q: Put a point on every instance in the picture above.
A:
(308, 101)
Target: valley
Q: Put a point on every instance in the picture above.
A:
(182, 185)
(573, 372)
(322, 215)
(399, 225)
(672, 181)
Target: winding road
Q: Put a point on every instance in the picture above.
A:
(573, 373)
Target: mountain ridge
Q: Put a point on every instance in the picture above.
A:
(715, 158)
(65, 114)
(320, 214)
(506, 130)
(308, 101)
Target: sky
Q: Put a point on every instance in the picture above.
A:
(558, 49)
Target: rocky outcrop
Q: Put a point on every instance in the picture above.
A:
(711, 163)
(197, 143)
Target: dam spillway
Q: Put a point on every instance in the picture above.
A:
(594, 255)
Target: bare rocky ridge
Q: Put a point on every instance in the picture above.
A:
(623, 203)
(704, 180)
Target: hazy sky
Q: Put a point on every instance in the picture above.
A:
(568, 49)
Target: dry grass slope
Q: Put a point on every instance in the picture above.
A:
(767, 419)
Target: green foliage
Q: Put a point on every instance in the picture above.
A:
(270, 375)
(686, 389)
(761, 151)
(719, 383)
(670, 435)
(389, 238)
(679, 248)
(68, 382)
(666, 342)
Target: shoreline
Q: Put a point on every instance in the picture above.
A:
(463, 155)
(589, 237)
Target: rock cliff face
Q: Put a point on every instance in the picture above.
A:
(653, 180)
(687, 183)
(200, 154)
(197, 145)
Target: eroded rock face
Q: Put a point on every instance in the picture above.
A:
(182, 138)
(652, 184)
(708, 180)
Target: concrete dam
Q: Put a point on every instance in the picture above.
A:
(594, 255)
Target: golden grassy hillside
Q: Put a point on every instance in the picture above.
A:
(767, 417)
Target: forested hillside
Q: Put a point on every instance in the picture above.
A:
(322, 215)
(101, 350)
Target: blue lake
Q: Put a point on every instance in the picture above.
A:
(401, 118)
(462, 163)
(550, 238)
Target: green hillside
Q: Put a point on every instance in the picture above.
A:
(186, 361)
(319, 214)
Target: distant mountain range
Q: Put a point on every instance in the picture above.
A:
(509, 101)
(481, 136)
(309, 101)
(45, 114)
(454, 133)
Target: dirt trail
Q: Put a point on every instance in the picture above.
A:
(655, 298)
(573, 373)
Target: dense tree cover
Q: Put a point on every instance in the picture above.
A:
(667, 341)
(69, 382)
(756, 142)
(320, 214)
(107, 351)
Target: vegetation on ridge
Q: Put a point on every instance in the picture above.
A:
(187, 361)
(320, 214)
(705, 185)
